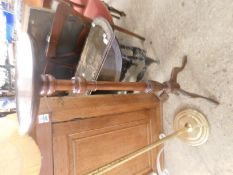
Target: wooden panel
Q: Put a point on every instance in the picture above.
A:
(91, 152)
(83, 145)
(84, 125)
(69, 108)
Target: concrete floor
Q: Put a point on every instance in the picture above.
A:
(202, 29)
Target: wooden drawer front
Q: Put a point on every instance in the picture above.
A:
(83, 145)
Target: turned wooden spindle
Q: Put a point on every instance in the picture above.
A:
(80, 85)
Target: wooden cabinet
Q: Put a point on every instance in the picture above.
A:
(87, 132)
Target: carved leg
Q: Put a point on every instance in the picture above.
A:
(193, 95)
(177, 70)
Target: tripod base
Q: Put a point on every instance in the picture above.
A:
(199, 124)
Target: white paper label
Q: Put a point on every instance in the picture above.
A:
(44, 118)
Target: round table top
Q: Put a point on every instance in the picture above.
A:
(28, 82)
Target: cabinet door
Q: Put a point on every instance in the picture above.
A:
(82, 145)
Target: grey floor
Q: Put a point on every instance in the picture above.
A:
(202, 29)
